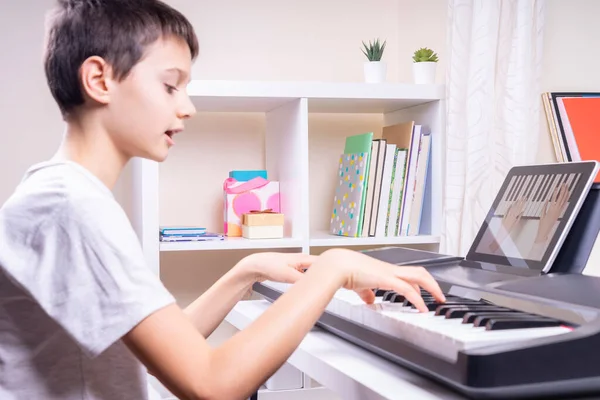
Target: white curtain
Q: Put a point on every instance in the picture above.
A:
(493, 103)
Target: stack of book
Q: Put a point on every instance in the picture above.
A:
(574, 124)
(187, 234)
(381, 183)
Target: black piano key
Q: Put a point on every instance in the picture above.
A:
(483, 319)
(526, 183)
(534, 205)
(547, 191)
(441, 310)
(511, 187)
(538, 190)
(495, 324)
(397, 298)
(380, 292)
(460, 312)
(515, 194)
(470, 317)
(529, 190)
(388, 295)
(434, 302)
(573, 183)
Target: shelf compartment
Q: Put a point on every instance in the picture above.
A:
(326, 239)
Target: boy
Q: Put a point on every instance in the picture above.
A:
(82, 317)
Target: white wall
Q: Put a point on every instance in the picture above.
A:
(31, 124)
(571, 30)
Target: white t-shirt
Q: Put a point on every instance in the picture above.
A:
(73, 281)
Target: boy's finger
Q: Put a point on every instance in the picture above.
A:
(416, 287)
(420, 276)
(407, 290)
(303, 261)
(415, 299)
(291, 275)
(367, 295)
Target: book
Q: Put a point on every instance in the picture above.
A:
(422, 169)
(396, 192)
(192, 238)
(349, 191)
(378, 149)
(384, 196)
(356, 144)
(573, 124)
(181, 230)
(411, 176)
(405, 136)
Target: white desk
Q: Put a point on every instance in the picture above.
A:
(346, 369)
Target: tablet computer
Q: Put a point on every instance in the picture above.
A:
(532, 215)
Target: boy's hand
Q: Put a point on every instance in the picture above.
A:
(277, 267)
(362, 273)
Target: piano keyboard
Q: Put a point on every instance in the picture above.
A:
(459, 324)
(536, 190)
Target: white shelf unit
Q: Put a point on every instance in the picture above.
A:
(286, 107)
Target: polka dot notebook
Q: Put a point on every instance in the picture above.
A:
(348, 194)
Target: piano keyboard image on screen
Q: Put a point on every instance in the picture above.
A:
(537, 190)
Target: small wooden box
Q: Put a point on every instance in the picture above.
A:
(262, 225)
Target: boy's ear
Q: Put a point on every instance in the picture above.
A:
(95, 74)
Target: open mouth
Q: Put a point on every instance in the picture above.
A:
(170, 133)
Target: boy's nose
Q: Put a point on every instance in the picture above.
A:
(187, 110)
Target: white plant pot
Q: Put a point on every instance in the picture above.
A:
(375, 71)
(424, 72)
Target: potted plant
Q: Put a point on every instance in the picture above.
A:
(374, 69)
(424, 65)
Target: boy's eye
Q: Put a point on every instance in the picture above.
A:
(170, 89)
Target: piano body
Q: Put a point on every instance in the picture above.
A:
(561, 358)
(503, 333)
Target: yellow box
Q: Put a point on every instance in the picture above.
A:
(263, 218)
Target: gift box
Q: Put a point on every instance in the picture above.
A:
(243, 197)
(265, 224)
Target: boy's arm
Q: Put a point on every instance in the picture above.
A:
(169, 345)
(208, 310)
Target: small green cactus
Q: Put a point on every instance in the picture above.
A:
(425, 55)
(374, 51)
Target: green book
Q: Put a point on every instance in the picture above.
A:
(361, 144)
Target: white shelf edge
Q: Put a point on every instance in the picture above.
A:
(315, 90)
(324, 239)
(234, 243)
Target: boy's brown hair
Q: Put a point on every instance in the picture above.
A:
(117, 30)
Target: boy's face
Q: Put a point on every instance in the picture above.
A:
(147, 108)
